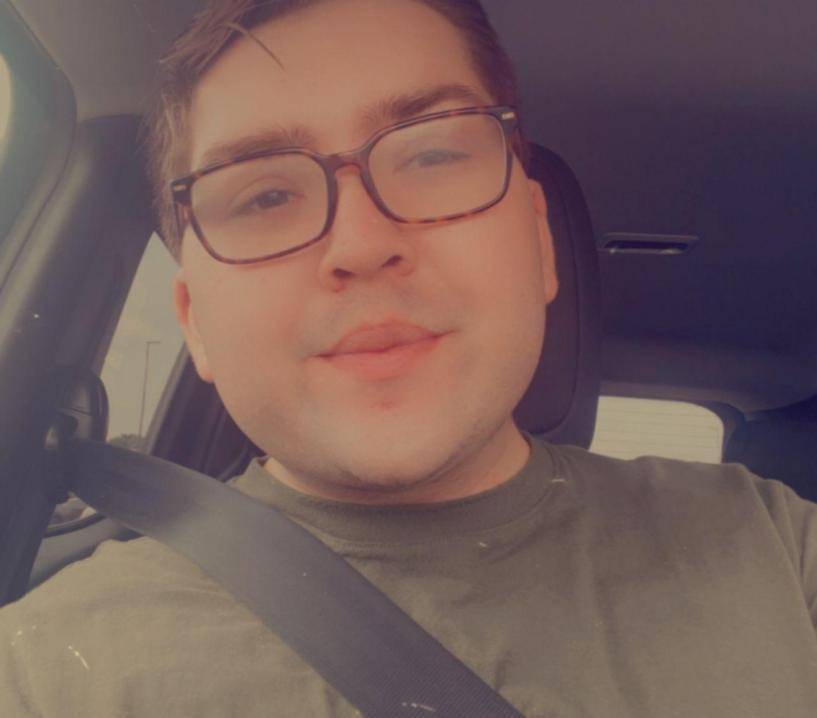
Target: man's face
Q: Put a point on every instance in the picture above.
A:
(257, 331)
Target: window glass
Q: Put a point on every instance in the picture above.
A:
(5, 99)
(627, 428)
(142, 353)
(143, 349)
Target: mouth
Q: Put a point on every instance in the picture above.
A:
(382, 364)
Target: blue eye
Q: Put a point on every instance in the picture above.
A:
(435, 158)
(270, 199)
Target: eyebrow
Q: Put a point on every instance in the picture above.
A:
(390, 110)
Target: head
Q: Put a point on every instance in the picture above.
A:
(259, 331)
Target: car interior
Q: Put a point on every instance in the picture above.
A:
(677, 149)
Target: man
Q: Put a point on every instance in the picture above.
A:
(364, 276)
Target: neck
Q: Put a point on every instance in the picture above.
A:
(502, 457)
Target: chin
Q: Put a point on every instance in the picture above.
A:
(379, 448)
(390, 471)
(396, 454)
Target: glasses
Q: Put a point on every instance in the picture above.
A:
(269, 204)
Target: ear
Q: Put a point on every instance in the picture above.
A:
(187, 321)
(545, 241)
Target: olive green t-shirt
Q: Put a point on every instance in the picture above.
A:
(584, 586)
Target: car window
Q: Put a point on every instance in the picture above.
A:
(139, 361)
(5, 99)
(143, 350)
(628, 427)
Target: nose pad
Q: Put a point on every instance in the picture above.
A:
(351, 186)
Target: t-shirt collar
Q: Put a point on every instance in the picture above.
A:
(385, 524)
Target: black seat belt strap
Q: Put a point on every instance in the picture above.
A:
(352, 634)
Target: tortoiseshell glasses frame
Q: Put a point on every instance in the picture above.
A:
(182, 188)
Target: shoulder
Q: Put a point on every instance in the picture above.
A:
(686, 496)
(115, 568)
(695, 503)
(688, 482)
(139, 629)
(130, 612)
(111, 593)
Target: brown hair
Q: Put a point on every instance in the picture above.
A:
(213, 30)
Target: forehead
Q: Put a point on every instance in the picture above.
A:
(341, 59)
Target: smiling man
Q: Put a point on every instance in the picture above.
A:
(378, 323)
(365, 271)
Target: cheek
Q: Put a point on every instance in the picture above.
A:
(249, 335)
(503, 283)
(504, 262)
(246, 324)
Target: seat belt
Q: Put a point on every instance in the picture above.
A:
(351, 633)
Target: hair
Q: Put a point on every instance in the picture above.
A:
(219, 25)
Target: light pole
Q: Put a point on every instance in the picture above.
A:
(148, 344)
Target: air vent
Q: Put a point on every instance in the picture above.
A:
(664, 244)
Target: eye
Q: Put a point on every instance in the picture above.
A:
(268, 199)
(434, 158)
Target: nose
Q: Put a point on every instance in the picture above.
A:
(362, 241)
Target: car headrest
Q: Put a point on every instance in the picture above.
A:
(560, 403)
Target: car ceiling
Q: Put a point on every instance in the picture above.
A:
(695, 118)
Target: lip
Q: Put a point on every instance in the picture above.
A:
(369, 338)
(384, 350)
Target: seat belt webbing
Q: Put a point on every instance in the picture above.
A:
(352, 634)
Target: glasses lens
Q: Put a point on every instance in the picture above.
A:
(441, 168)
(256, 208)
